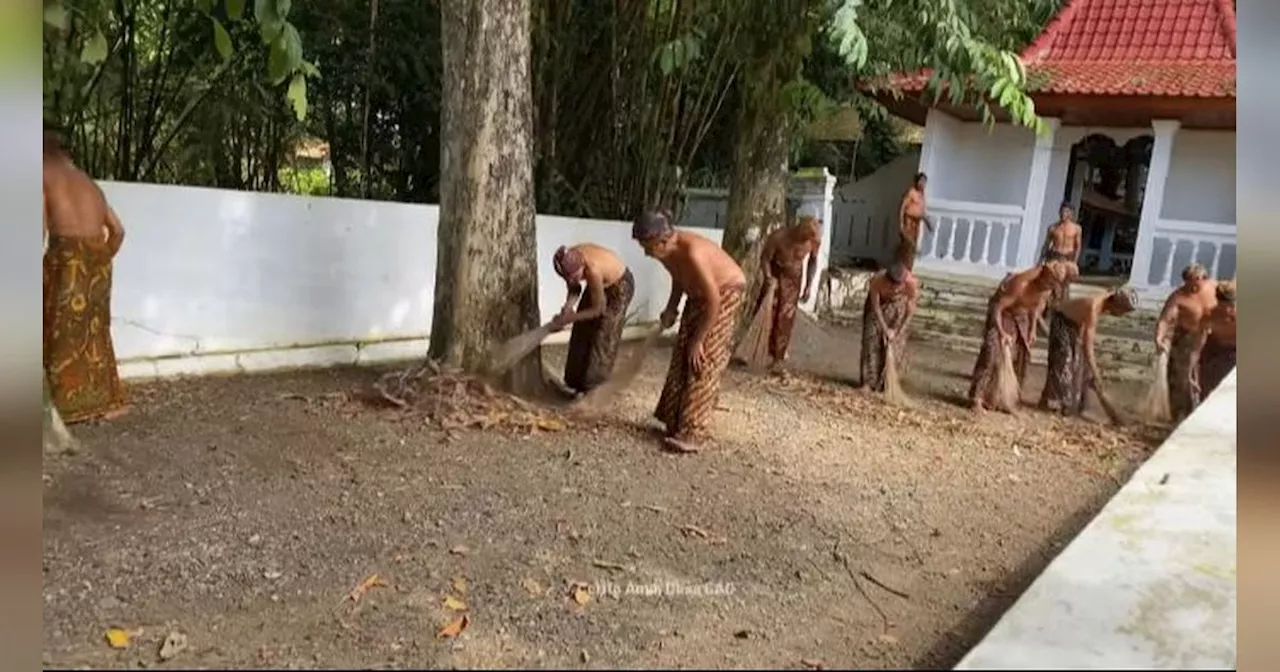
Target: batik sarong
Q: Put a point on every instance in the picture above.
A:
(786, 297)
(688, 399)
(1066, 376)
(1016, 322)
(79, 359)
(1182, 395)
(873, 345)
(593, 344)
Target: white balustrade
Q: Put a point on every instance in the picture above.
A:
(971, 238)
(1177, 243)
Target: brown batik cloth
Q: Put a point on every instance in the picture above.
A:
(593, 344)
(1066, 376)
(1217, 359)
(1016, 322)
(79, 358)
(1061, 292)
(688, 400)
(785, 304)
(1182, 396)
(873, 346)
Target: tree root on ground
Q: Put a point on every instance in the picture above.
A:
(453, 400)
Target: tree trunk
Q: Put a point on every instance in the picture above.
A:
(57, 438)
(486, 268)
(757, 183)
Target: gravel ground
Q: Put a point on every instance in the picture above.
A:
(823, 529)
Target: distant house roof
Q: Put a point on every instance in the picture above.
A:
(1126, 48)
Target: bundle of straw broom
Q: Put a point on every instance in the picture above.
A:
(754, 348)
(1007, 393)
(623, 375)
(1155, 406)
(893, 392)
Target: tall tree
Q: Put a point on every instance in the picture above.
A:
(486, 265)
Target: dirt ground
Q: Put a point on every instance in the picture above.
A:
(824, 529)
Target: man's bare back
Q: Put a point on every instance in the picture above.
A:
(601, 262)
(691, 253)
(75, 206)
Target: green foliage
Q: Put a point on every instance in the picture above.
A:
(305, 181)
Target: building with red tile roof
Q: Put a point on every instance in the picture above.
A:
(1139, 99)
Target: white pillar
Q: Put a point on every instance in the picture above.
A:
(1153, 199)
(1037, 185)
(817, 191)
(935, 124)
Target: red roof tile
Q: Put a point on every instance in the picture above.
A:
(1183, 48)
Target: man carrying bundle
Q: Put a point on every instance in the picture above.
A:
(1215, 352)
(789, 262)
(1072, 365)
(890, 304)
(84, 235)
(910, 217)
(1177, 332)
(714, 284)
(1062, 243)
(1010, 313)
(600, 315)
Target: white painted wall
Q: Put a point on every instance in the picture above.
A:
(1201, 186)
(211, 273)
(979, 164)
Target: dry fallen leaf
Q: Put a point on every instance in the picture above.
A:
(550, 424)
(533, 587)
(581, 593)
(370, 582)
(888, 639)
(453, 604)
(605, 564)
(459, 550)
(118, 638)
(454, 628)
(815, 664)
(174, 644)
(460, 585)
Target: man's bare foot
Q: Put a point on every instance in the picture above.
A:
(977, 407)
(680, 446)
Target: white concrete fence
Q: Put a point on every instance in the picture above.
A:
(211, 280)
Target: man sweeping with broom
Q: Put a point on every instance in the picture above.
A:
(788, 266)
(1215, 353)
(1177, 332)
(1072, 366)
(1007, 339)
(714, 284)
(600, 314)
(890, 304)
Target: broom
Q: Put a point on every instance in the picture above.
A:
(1007, 393)
(754, 348)
(507, 354)
(1155, 406)
(893, 392)
(623, 375)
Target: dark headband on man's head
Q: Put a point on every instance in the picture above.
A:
(1066, 205)
(652, 224)
(897, 273)
(567, 261)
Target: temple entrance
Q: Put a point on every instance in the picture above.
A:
(1105, 186)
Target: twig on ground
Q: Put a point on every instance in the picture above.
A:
(844, 561)
(867, 575)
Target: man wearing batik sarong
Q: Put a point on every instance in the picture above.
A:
(789, 262)
(886, 314)
(1011, 313)
(1177, 332)
(1072, 366)
(599, 316)
(713, 283)
(1215, 353)
(84, 236)
(1062, 243)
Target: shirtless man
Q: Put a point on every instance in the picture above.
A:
(1176, 334)
(599, 316)
(714, 284)
(1062, 243)
(1010, 312)
(1072, 366)
(84, 235)
(788, 259)
(910, 215)
(891, 302)
(1215, 352)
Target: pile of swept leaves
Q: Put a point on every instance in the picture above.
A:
(452, 400)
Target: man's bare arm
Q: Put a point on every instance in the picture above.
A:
(1002, 305)
(673, 299)
(877, 310)
(913, 297)
(902, 213)
(767, 253)
(595, 290)
(115, 231)
(1168, 315)
(710, 294)
(1202, 337)
(1077, 245)
(811, 269)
